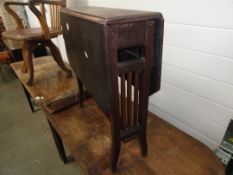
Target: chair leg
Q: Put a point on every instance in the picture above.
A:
(24, 67)
(59, 144)
(28, 64)
(57, 57)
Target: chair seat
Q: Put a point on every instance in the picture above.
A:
(29, 34)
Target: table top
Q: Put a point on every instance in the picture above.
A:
(111, 15)
(86, 132)
(49, 79)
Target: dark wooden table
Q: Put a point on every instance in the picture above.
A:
(107, 44)
(86, 132)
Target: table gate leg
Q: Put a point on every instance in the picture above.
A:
(59, 144)
(80, 87)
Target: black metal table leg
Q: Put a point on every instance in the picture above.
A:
(28, 99)
(59, 144)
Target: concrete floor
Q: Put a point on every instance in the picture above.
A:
(26, 144)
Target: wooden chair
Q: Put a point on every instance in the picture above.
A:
(5, 56)
(32, 37)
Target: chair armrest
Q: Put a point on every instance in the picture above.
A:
(43, 23)
(13, 13)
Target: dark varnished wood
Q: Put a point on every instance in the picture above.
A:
(78, 22)
(123, 103)
(95, 38)
(110, 15)
(113, 95)
(135, 103)
(88, 39)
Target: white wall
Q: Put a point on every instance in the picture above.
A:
(197, 73)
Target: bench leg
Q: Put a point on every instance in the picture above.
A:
(28, 96)
(59, 144)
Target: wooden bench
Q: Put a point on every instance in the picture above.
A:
(50, 81)
(86, 133)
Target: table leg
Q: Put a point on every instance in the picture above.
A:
(80, 88)
(59, 144)
(28, 96)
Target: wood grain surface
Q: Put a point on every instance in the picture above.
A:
(87, 134)
(49, 81)
(29, 34)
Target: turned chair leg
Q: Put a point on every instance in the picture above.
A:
(57, 57)
(28, 64)
(24, 67)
